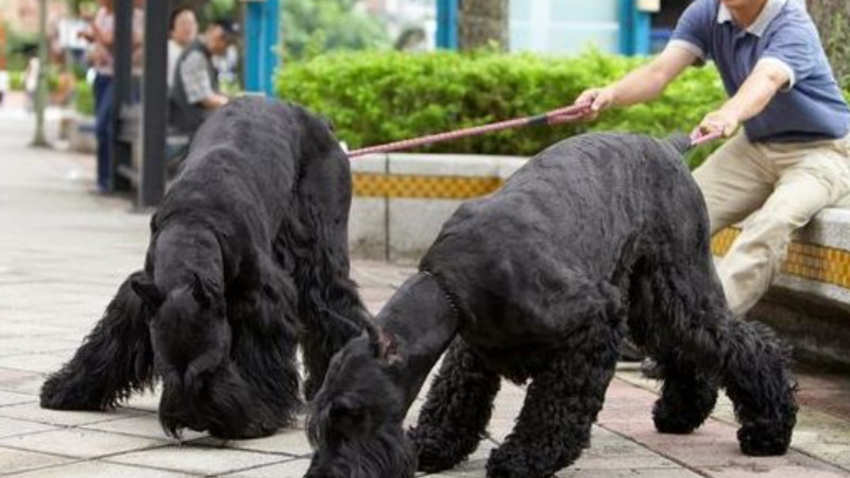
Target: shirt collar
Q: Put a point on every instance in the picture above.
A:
(770, 11)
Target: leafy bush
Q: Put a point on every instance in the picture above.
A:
(312, 28)
(378, 97)
(16, 80)
(84, 98)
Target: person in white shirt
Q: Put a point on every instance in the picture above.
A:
(183, 30)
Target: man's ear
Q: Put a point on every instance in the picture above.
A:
(147, 291)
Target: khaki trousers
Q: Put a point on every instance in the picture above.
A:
(783, 185)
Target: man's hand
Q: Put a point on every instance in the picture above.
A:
(721, 121)
(215, 101)
(600, 99)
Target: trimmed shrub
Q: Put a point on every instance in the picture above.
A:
(84, 98)
(378, 97)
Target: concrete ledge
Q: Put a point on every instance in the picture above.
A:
(402, 200)
(809, 303)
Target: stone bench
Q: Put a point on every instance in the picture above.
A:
(401, 201)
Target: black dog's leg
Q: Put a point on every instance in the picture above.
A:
(457, 410)
(331, 310)
(757, 380)
(560, 407)
(115, 359)
(258, 393)
(687, 399)
(697, 339)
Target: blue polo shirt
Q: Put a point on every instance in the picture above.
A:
(811, 107)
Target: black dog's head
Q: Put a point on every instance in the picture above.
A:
(191, 340)
(355, 423)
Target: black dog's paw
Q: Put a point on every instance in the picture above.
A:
(670, 420)
(249, 432)
(58, 393)
(764, 440)
(434, 451)
(513, 463)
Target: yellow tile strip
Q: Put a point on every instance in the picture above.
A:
(809, 261)
(424, 187)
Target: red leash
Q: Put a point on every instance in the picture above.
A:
(558, 116)
(697, 138)
(561, 115)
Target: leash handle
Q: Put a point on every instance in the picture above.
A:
(697, 138)
(558, 116)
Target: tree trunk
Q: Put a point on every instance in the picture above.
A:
(832, 18)
(483, 23)
(40, 139)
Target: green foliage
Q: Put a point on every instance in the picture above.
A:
(19, 47)
(16, 80)
(311, 28)
(374, 98)
(215, 10)
(82, 6)
(84, 98)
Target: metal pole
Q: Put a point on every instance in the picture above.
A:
(261, 37)
(40, 139)
(155, 103)
(270, 45)
(626, 35)
(253, 32)
(122, 151)
(447, 20)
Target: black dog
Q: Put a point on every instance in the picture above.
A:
(248, 256)
(537, 282)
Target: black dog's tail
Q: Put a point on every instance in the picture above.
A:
(680, 142)
(114, 360)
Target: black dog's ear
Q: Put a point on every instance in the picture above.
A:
(147, 290)
(200, 292)
(384, 345)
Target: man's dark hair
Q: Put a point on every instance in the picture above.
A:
(176, 13)
(230, 29)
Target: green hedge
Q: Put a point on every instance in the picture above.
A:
(16, 80)
(377, 97)
(84, 98)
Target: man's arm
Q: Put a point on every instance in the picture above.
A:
(196, 82)
(766, 79)
(643, 84)
(104, 37)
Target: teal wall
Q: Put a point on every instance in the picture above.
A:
(563, 26)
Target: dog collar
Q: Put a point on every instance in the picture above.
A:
(448, 295)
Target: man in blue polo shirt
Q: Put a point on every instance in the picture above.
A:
(792, 157)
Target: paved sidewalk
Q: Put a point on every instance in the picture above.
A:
(63, 252)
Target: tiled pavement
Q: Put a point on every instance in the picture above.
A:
(62, 254)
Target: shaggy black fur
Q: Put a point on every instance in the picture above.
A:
(248, 256)
(537, 282)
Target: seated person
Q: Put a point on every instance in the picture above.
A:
(195, 93)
